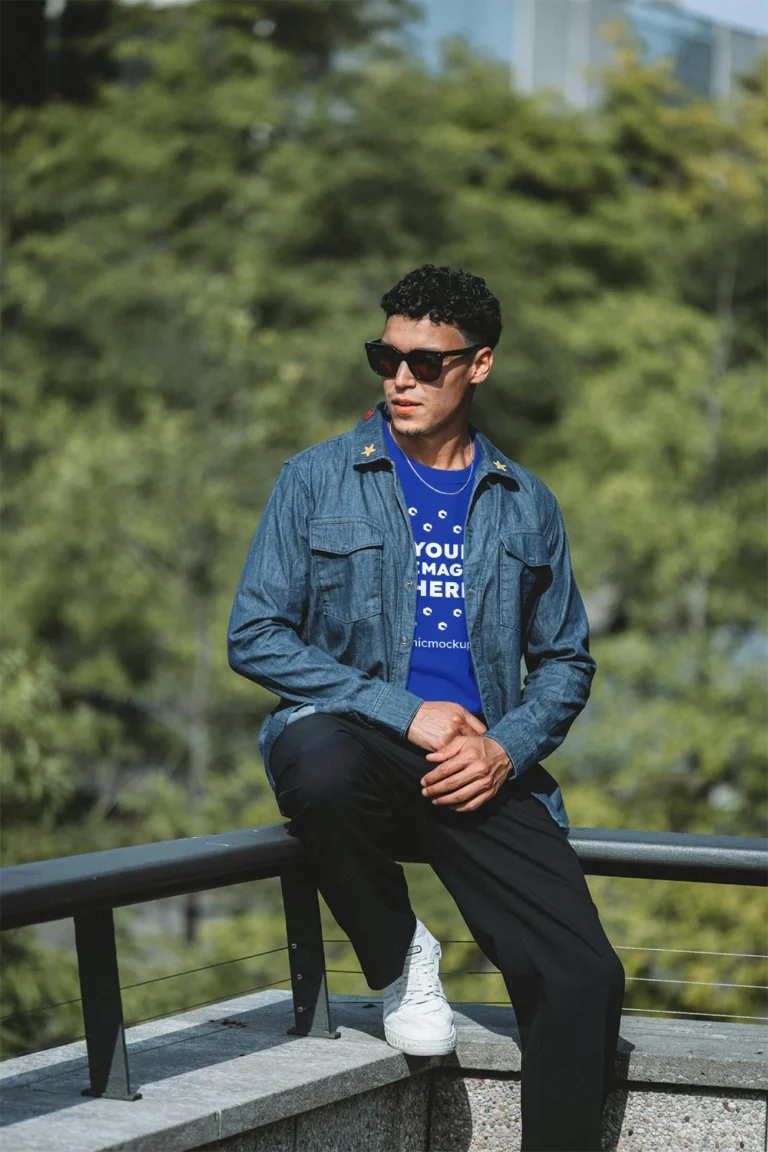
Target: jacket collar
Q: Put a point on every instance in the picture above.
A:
(369, 444)
(369, 447)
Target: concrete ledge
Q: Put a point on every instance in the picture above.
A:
(213, 1075)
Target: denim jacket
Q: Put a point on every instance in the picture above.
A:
(325, 611)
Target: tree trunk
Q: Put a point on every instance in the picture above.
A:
(23, 31)
(198, 748)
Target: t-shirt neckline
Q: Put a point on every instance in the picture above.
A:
(443, 473)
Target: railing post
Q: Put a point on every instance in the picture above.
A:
(102, 1007)
(312, 1010)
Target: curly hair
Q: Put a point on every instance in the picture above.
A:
(447, 296)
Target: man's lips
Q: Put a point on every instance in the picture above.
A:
(404, 404)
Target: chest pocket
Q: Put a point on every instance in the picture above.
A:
(526, 572)
(347, 565)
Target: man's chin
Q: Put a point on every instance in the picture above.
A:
(410, 431)
(405, 426)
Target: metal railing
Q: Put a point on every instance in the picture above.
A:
(89, 887)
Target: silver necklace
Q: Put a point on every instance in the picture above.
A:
(439, 490)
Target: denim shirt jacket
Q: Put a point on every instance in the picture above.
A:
(325, 611)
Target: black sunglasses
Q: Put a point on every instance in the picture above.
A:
(423, 363)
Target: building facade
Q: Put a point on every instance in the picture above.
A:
(559, 43)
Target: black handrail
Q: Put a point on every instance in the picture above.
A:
(700, 857)
(90, 886)
(56, 889)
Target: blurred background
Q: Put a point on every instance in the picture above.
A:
(202, 203)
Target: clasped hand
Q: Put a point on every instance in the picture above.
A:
(469, 768)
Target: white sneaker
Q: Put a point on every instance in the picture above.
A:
(417, 1016)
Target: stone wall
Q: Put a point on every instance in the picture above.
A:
(439, 1111)
(230, 1078)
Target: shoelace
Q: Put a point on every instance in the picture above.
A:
(421, 979)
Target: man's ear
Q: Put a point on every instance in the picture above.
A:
(483, 365)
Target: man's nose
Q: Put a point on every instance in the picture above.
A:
(404, 377)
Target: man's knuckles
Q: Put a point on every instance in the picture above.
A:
(453, 782)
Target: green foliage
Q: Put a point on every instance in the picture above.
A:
(660, 462)
(40, 743)
(195, 258)
(39, 766)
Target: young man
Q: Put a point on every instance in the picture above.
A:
(397, 577)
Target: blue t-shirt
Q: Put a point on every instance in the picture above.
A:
(441, 663)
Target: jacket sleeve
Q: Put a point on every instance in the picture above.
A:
(560, 667)
(271, 603)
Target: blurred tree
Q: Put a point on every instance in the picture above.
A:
(196, 256)
(79, 48)
(22, 51)
(43, 746)
(661, 462)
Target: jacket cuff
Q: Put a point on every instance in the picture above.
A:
(516, 741)
(395, 708)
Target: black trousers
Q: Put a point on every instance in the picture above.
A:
(353, 796)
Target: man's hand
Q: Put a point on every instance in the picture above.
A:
(469, 771)
(438, 722)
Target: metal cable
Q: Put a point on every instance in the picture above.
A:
(142, 983)
(205, 967)
(32, 1011)
(645, 979)
(652, 1011)
(629, 948)
(357, 972)
(704, 983)
(135, 1024)
(690, 951)
(203, 1003)
(680, 1012)
(354, 972)
(655, 1011)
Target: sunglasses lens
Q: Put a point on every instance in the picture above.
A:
(383, 360)
(424, 368)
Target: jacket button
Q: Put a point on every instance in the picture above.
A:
(403, 639)
(408, 583)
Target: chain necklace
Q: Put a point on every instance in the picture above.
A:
(439, 490)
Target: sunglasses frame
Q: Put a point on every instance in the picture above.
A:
(431, 355)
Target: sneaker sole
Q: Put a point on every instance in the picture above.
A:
(421, 1048)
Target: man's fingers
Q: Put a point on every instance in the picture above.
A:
(477, 802)
(470, 791)
(475, 724)
(448, 750)
(456, 780)
(448, 767)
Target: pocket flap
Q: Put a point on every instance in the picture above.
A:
(530, 547)
(340, 536)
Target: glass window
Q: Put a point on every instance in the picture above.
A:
(686, 39)
(550, 44)
(602, 14)
(486, 25)
(746, 50)
(562, 40)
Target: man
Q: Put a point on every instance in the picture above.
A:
(397, 577)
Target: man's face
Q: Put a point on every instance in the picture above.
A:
(419, 409)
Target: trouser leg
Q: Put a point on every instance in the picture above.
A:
(350, 792)
(521, 890)
(333, 781)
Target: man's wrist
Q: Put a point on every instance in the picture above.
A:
(500, 755)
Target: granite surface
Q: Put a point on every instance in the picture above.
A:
(210, 1076)
(639, 1120)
